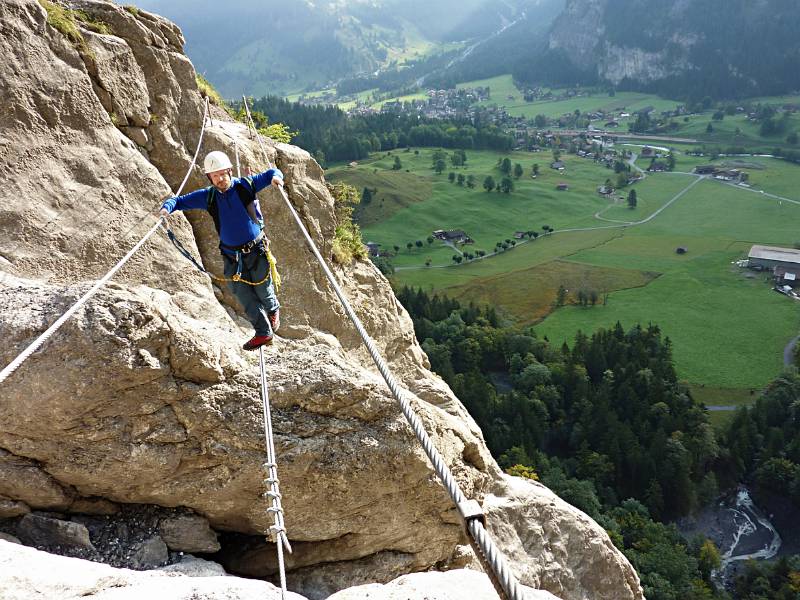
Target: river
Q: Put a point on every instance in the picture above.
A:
(740, 530)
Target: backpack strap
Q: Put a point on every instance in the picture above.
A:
(211, 206)
(247, 196)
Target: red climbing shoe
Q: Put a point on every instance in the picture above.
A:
(257, 341)
(275, 320)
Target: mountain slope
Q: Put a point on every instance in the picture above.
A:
(690, 48)
(278, 47)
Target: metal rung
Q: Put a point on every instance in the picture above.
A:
(272, 480)
(275, 509)
(276, 495)
(269, 465)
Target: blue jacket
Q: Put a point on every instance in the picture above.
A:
(236, 227)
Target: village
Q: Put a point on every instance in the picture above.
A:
(462, 104)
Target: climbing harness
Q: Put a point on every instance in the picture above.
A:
(237, 278)
(488, 554)
(246, 196)
(37, 343)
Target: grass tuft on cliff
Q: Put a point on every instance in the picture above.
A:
(65, 22)
(68, 22)
(347, 243)
(207, 90)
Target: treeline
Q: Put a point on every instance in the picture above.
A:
(331, 135)
(778, 580)
(603, 423)
(609, 409)
(763, 441)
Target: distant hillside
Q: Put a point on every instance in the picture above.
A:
(280, 47)
(689, 48)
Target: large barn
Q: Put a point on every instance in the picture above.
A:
(783, 262)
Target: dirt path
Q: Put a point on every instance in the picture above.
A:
(788, 352)
(698, 179)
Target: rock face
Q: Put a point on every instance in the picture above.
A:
(676, 47)
(144, 396)
(36, 529)
(554, 545)
(581, 33)
(188, 533)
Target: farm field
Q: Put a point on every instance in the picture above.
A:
(727, 327)
(502, 87)
(487, 217)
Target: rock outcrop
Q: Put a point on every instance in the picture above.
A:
(144, 397)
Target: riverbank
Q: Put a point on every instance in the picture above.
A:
(740, 529)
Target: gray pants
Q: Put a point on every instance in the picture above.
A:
(258, 300)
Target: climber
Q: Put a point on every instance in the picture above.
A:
(232, 203)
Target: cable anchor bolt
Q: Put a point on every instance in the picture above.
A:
(471, 511)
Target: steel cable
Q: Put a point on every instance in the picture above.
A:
(37, 343)
(499, 572)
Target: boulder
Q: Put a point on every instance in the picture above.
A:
(188, 533)
(191, 566)
(26, 573)
(450, 585)
(38, 530)
(149, 554)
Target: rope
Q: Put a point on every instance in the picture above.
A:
(487, 552)
(277, 532)
(273, 263)
(37, 343)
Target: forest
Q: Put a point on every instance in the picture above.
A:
(605, 423)
(329, 134)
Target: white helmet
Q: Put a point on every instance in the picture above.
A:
(216, 161)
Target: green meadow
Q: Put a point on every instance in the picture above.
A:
(505, 94)
(727, 327)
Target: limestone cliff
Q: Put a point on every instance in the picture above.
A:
(581, 32)
(144, 397)
(682, 48)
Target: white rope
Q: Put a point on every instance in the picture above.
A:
(498, 571)
(37, 343)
